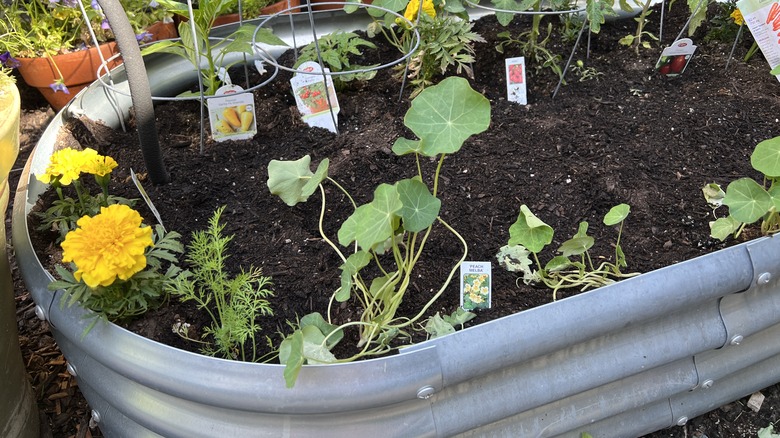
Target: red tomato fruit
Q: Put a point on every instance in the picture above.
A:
(678, 64)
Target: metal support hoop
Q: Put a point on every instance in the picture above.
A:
(103, 68)
(270, 59)
(487, 8)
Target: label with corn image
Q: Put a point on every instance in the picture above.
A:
(232, 115)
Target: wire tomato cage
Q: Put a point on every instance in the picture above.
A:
(311, 13)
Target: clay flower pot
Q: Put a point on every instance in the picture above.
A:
(79, 69)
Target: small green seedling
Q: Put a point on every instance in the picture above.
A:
(335, 50)
(574, 266)
(749, 201)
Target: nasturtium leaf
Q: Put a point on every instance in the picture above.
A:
(355, 262)
(437, 327)
(557, 263)
(575, 246)
(374, 222)
(315, 349)
(420, 208)
(291, 356)
(459, 317)
(316, 320)
(293, 181)
(747, 200)
(445, 115)
(724, 227)
(514, 258)
(403, 146)
(582, 229)
(713, 194)
(529, 231)
(616, 214)
(767, 432)
(766, 157)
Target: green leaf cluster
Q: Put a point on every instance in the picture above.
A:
(574, 267)
(124, 299)
(446, 44)
(389, 232)
(749, 201)
(335, 50)
(233, 304)
(200, 47)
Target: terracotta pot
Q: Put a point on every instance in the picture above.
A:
(162, 31)
(280, 6)
(319, 7)
(79, 69)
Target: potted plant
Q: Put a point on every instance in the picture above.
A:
(58, 48)
(18, 413)
(621, 360)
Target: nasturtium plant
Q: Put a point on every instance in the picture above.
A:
(395, 225)
(748, 200)
(529, 235)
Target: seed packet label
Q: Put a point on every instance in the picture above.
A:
(232, 115)
(475, 285)
(314, 102)
(146, 197)
(763, 19)
(515, 80)
(675, 58)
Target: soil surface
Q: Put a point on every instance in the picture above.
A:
(627, 136)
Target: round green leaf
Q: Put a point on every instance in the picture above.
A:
(747, 200)
(529, 231)
(766, 157)
(445, 115)
(617, 214)
(420, 207)
(293, 181)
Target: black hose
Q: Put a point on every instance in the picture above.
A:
(140, 92)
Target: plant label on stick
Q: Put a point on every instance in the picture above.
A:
(515, 80)
(763, 20)
(675, 58)
(314, 103)
(475, 285)
(232, 115)
(146, 197)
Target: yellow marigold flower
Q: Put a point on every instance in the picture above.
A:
(414, 5)
(737, 16)
(99, 165)
(66, 164)
(107, 246)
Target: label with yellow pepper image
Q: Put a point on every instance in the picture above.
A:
(232, 115)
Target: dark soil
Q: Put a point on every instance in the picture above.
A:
(630, 136)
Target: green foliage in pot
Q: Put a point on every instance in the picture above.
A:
(40, 28)
(237, 301)
(116, 263)
(249, 8)
(334, 53)
(574, 266)
(390, 232)
(750, 201)
(446, 38)
(528, 42)
(199, 48)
